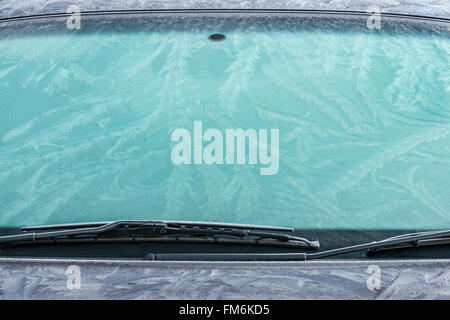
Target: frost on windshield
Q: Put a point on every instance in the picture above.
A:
(363, 119)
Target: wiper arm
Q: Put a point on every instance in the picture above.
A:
(412, 238)
(160, 229)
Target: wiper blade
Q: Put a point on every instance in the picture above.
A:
(148, 222)
(415, 244)
(161, 229)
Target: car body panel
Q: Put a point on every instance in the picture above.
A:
(121, 279)
(432, 8)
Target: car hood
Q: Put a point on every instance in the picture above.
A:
(119, 279)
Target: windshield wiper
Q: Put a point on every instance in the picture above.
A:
(407, 240)
(183, 231)
(186, 231)
(410, 240)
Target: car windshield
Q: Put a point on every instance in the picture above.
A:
(315, 122)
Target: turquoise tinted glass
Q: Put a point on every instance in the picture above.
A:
(136, 124)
